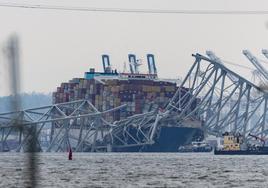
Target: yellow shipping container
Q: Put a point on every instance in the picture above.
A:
(156, 89)
(170, 88)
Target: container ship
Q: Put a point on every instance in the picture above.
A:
(140, 92)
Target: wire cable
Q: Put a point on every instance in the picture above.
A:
(143, 11)
(238, 65)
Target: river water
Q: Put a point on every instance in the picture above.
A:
(137, 170)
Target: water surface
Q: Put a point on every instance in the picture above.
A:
(137, 170)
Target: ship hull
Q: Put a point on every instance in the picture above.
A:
(196, 150)
(168, 140)
(259, 151)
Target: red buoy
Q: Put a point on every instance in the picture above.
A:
(70, 154)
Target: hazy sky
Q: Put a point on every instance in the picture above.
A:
(59, 45)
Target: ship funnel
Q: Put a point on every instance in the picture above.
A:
(151, 64)
(106, 63)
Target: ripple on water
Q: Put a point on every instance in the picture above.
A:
(138, 170)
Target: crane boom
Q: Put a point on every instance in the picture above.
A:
(256, 63)
(257, 138)
(213, 57)
(151, 64)
(132, 61)
(265, 53)
(106, 63)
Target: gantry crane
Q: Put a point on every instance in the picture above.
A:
(213, 57)
(256, 63)
(265, 53)
(134, 64)
(106, 63)
(151, 64)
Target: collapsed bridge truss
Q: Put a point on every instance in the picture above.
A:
(78, 125)
(211, 94)
(222, 100)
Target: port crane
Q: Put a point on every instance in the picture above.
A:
(213, 57)
(265, 53)
(134, 64)
(106, 63)
(256, 63)
(151, 64)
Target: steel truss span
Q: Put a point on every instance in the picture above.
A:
(222, 100)
(211, 97)
(77, 125)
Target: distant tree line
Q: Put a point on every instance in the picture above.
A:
(27, 100)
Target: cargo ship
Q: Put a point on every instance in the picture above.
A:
(140, 92)
(234, 144)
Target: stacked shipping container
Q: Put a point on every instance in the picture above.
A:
(140, 95)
